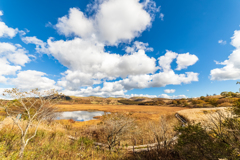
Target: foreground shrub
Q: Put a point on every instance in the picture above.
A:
(51, 145)
(195, 143)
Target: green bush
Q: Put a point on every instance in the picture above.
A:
(228, 94)
(202, 97)
(174, 102)
(128, 102)
(152, 103)
(195, 143)
(198, 102)
(212, 101)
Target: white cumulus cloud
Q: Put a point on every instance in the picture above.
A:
(6, 31)
(112, 22)
(14, 53)
(231, 69)
(185, 60)
(172, 97)
(75, 24)
(109, 22)
(12, 57)
(166, 60)
(30, 79)
(40, 45)
(108, 90)
(89, 58)
(169, 90)
(138, 46)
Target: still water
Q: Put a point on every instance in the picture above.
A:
(80, 115)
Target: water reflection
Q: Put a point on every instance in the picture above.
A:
(80, 115)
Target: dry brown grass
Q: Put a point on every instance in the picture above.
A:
(137, 111)
(199, 114)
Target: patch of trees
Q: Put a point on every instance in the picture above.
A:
(81, 101)
(128, 102)
(152, 103)
(229, 94)
(136, 102)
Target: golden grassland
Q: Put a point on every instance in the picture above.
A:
(53, 143)
(137, 111)
(200, 114)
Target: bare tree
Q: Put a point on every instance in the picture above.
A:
(115, 127)
(163, 132)
(33, 106)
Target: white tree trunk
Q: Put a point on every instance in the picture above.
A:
(22, 149)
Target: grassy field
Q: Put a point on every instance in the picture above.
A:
(137, 111)
(200, 114)
(53, 142)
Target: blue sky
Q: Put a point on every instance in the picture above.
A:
(121, 48)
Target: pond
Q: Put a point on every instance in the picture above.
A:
(80, 115)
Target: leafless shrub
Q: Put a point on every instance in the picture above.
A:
(115, 126)
(163, 132)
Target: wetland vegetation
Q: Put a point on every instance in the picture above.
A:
(127, 125)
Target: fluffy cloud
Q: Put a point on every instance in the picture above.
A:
(155, 96)
(231, 70)
(222, 42)
(138, 81)
(109, 22)
(12, 57)
(40, 45)
(75, 24)
(158, 80)
(6, 31)
(172, 97)
(89, 58)
(185, 60)
(165, 78)
(30, 79)
(169, 90)
(140, 95)
(14, 53)
(138, 46)
(113, 15)
(108, 90)
(88, 64)
(6, 68)
(166, 60)
(72, 80)
(112, 22)
(236, 39)
(161, 79)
